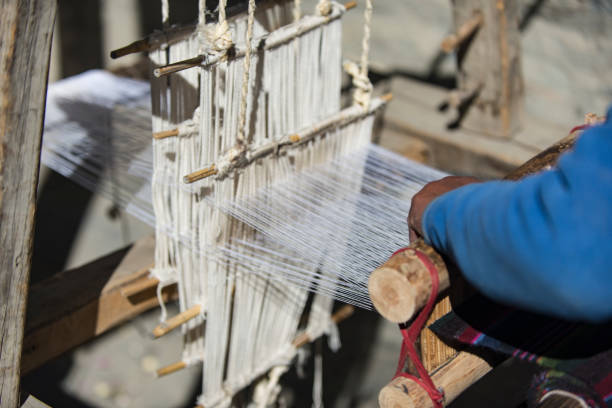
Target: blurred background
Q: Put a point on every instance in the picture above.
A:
(566, 58)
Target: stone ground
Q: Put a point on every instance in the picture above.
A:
(567, 67)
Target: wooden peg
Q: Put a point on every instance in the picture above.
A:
(176, 321)
(136, 46)
(341, 314)
(179, 66)
(387, 97)
(165, 133)
(200, 174)
(463, 33)
(350, 5)
(172, 368)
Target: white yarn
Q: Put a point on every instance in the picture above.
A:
(165, 12)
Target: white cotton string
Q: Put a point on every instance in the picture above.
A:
(317, 385)
(244, 94)
(165, 12)
(297, 10)
(363, 91)
(324, 7)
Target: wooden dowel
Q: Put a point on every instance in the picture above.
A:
(179, 66)
(452, 378)
(200, 174)
(350, 5)
(387, 97)
(137, 46)
(463, 33)
(402, 285)
(172, 368)
(341, 314)
(176, 321)
(165, 133)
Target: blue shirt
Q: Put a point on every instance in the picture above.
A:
(543, 243)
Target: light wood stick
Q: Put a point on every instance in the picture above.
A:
(179, 66)
(453, 378)
(172, 368)
(350, 5)
(165, 133)
(136, 46)
(340, 119)
(200, 174)
(176, 321)
(341, 314)
(463, 33)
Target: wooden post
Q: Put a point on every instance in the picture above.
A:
(26, 29)
(489, 60)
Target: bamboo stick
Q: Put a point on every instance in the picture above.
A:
(340, 315)
(172, 368)
(176, 321)
(453, 378)
(340, 119)
(201, 174)
(137, 46)
(165, 133)
(402, 285)
(179, 66)
(463, 33)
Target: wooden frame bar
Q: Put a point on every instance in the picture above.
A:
(26, 29)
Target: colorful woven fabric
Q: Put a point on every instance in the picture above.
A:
(574, 357)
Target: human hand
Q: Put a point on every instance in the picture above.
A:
(428, 193)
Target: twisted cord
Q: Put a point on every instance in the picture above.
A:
(363, 91)
(241, 139)
(297, 10)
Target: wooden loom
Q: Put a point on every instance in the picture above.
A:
(124, 289)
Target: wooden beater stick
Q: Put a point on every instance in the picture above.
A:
(402, 285)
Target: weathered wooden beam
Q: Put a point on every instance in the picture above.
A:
(490, 61)
(26, 29)
(76, 305)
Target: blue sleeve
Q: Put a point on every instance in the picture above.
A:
(543, 243)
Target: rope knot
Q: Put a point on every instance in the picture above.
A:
(221, 37)
(361, 82)
(324, 7)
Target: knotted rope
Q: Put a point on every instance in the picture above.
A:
(363, 91)
(241, 138)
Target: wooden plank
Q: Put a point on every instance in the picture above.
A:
(26, 28)
(76, 305)
(33, 402)
(490, 63)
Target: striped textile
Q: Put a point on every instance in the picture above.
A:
(574, 357)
